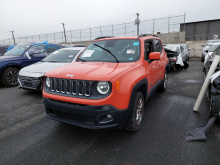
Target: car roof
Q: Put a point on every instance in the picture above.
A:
(142, 37)
(216, 43)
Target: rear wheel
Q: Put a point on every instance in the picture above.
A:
(136, 114)
(214, 106)
(10, 77)
(163, 86)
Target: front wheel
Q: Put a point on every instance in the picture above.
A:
(136, 114)
(10, 77)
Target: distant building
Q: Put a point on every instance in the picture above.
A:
(202, 30)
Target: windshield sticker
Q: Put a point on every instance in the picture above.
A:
(55, 52)
(27, 46)
(88, 53)
(70, 55)
(130, 51)
(136, 43)
(131, 59)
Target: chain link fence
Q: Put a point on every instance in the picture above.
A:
(152, 26)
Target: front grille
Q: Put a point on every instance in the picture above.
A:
(31, 82)
(71, 87)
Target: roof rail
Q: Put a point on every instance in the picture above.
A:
(103, 37)
(144, 35)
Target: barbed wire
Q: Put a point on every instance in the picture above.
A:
(155, 25)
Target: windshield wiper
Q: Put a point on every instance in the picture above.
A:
(81, 60)
(108, 52)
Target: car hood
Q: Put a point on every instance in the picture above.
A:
(9, 58)
(90, 70)
(39, 69)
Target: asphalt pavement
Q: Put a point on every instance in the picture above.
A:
(27, 137)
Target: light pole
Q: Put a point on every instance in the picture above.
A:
(137, 22)
(64, 31)
(13, 36)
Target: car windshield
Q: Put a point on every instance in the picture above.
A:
(17, 50)
(61, 55)
(211, 42)
(213, 47)
(114, 50)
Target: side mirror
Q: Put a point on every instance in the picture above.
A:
(203, 45)
(154, 56)
(27, 55)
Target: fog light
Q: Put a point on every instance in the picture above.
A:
(105, 118)
(109, 116)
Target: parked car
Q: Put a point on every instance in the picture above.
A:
(177, 57)
(3, 49)
(31, 77)
(209, 52)
(206, 48)
(213, 91)
(179, 49)
(108, 84)
(20, 56)
(172, 56)
(186, 50)
(207, 64)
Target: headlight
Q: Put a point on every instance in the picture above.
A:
(48, 82)
(103, 87)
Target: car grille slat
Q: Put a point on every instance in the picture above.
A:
(71, 87)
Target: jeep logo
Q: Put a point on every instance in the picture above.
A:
(69, 75)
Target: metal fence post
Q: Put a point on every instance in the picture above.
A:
(71, 36)
(54, 37)
(153, 25)
(125, 29)
(101, 30)
(184, 21)
(112, 30)
(90, 33)
(39, 38)
(168, 24)
(80, 34)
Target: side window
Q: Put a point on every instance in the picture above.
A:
(148, 48)
(181, 49)
(157, 46)
(37, 49)
(51, 48)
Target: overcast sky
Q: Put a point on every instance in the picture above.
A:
(29, 17)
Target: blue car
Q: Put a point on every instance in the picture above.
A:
(20, 56)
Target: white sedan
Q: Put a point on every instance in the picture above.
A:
(31, 77)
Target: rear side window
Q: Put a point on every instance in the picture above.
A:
(157, 46)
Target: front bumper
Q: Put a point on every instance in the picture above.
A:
(34, 83)
(87, 116)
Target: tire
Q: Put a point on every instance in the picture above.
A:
(214, 106)
(136, 115)
(202, 59)
(10, 77)
(163, 86)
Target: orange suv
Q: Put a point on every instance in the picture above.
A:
(108, 84)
